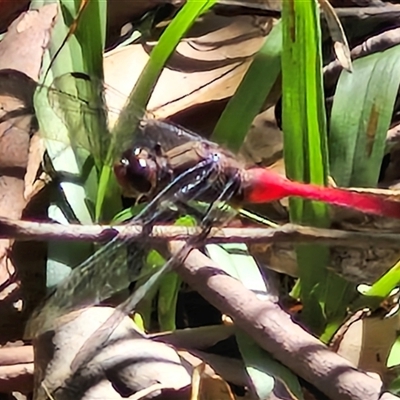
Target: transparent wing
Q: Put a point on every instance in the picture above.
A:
(107, 271)
(78, 112)
(79, 105)
(85, 105)
(166, 134)
(215, 214)
(79, 102)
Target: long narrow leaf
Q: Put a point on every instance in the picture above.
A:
(305, 146)
(235, 260)
(59, 138)
(140, 95)
(251, 94)
(168, 42)
(264, 369)
(361, 114)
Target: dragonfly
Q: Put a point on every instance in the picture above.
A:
(145, 171)
(169, 166)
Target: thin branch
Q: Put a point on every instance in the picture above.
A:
(273, 329)
(43, 231)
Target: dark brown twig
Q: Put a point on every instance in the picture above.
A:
(42, 231)
(372, 45)
(273, 330)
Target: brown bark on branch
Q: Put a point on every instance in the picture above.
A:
(274, 330)
(374, 44)
(43, 231)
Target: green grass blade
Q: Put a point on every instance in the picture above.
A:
(361, 115)
(154, 262)
(168, 42)
(74, 56)
(394, 386)
(305, 130)
(305, 145)
(256, 362)
(264, 369)
(394, 355)
(251, 94)
(140, 95)
(167, 287)
(384, 285)
(91, 34)
(337, 293)
(235, 260)
(380, 290)
(167, 300)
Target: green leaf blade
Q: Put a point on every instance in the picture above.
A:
(251, 94)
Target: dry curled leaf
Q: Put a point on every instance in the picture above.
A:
(130, 364)
(367, 343)
(21, 50)
(207, 66)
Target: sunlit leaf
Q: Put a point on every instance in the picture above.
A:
(305, 141)
(251, 94)
(361, 114)
(263, 369)
(140, 95)
(82, 52)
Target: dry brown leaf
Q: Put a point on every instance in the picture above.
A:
(230, 369)
(214, 387)
(22, 50)
(357, 265)
(23, 46)
(264, 141)
(208, 65)
(33, 183)
(367, 344)
(215, 372)
(130, 364)
(121, 12)
(337, 34)
(208, 386)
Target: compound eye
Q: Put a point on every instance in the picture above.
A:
(136, 171)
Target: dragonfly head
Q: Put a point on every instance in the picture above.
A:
(137, 172)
